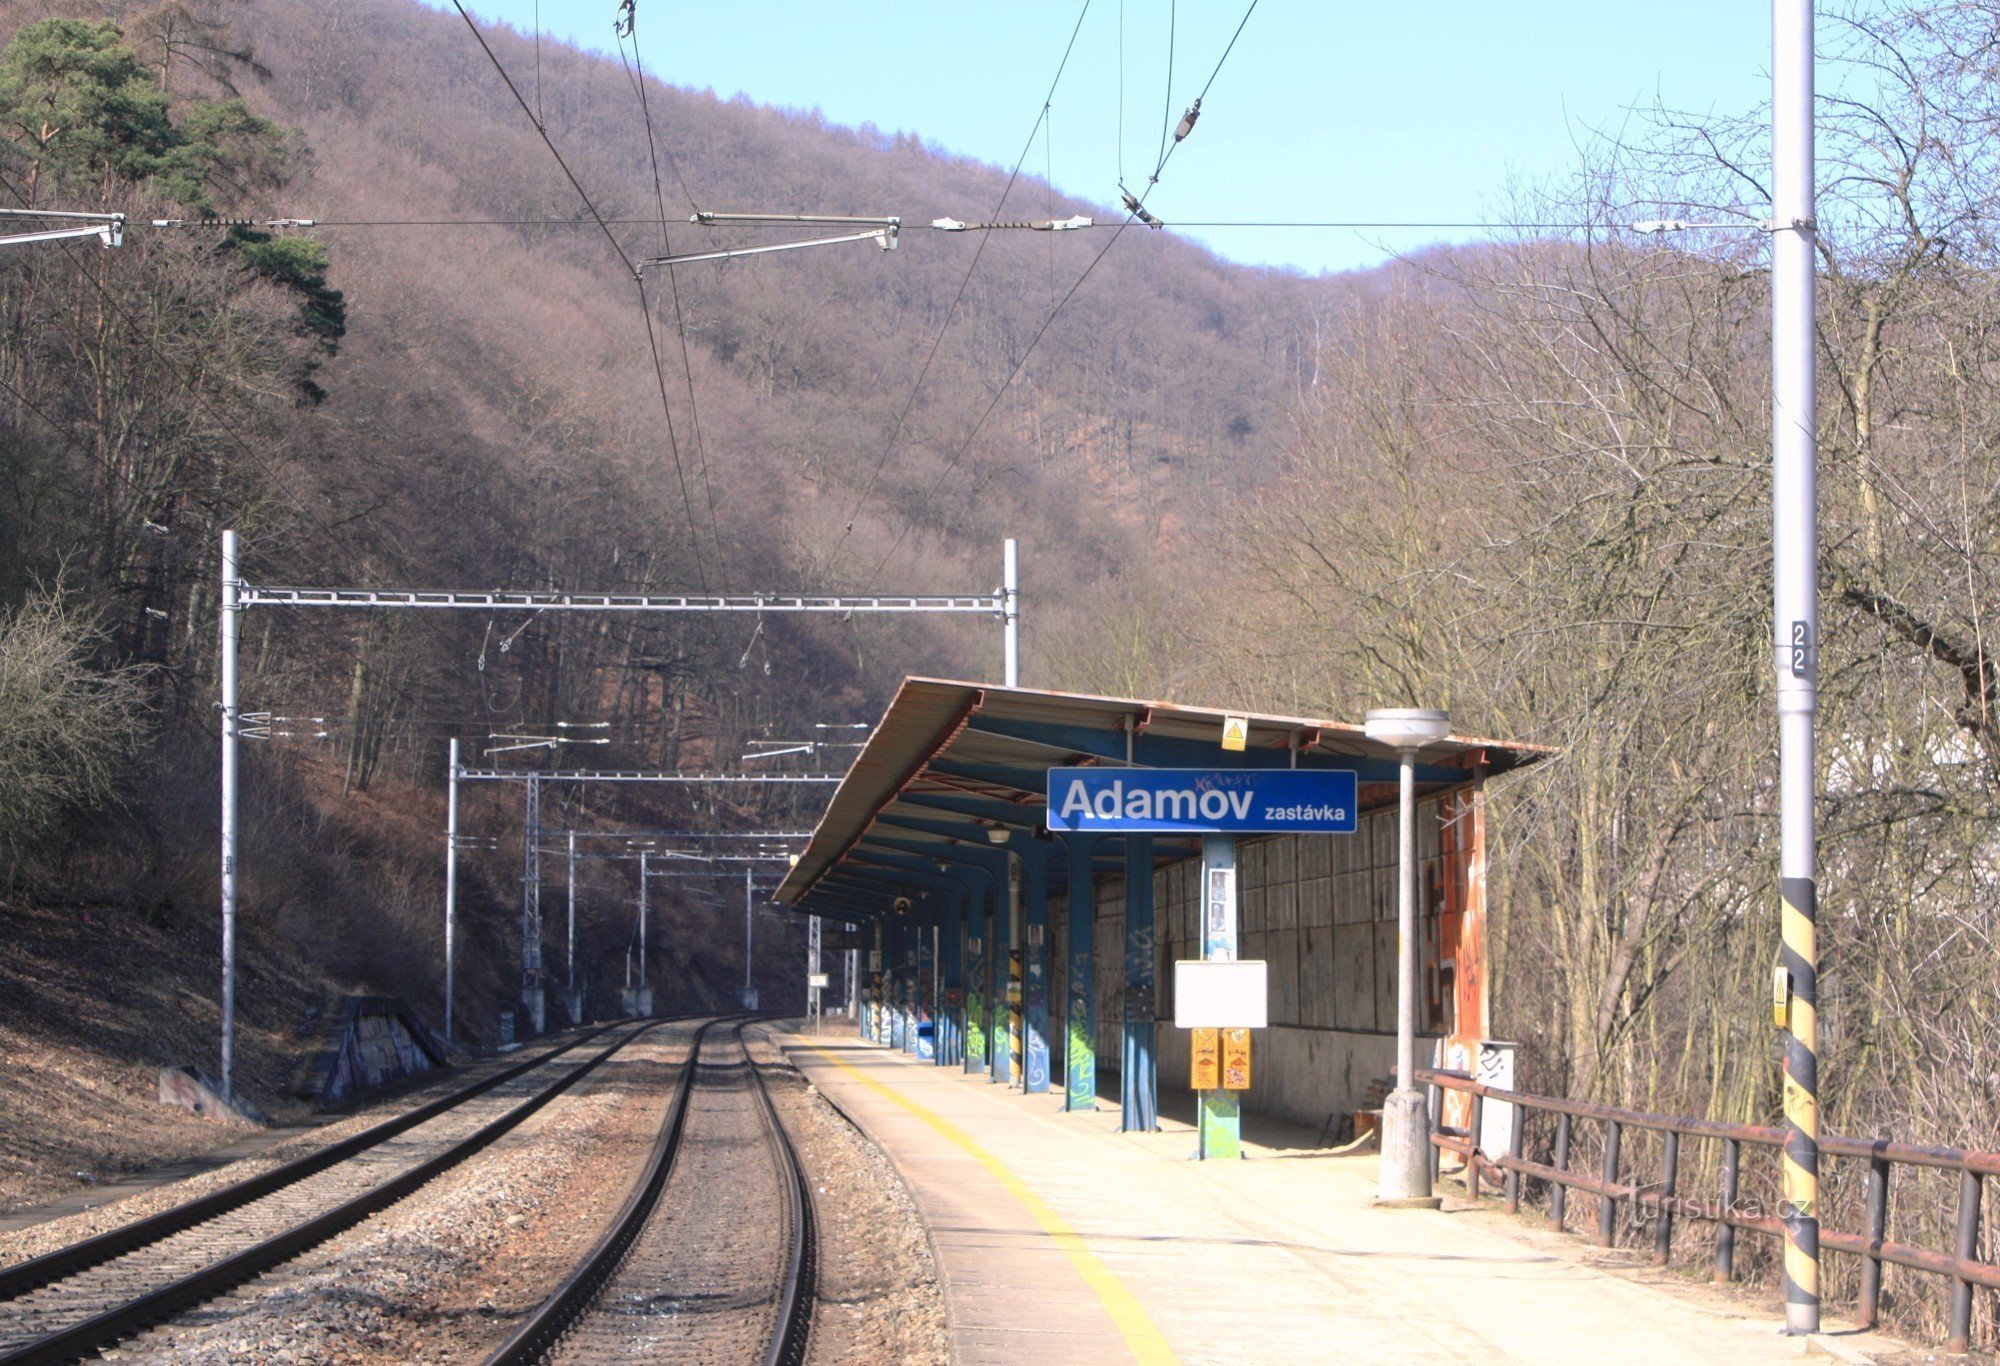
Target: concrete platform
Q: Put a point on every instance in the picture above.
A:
(1059, 1239)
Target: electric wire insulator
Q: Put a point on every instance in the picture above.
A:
(1186, 124)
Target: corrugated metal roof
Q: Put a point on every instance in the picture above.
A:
(930, 723)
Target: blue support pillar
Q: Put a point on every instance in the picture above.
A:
(892, 983)
(934, 938)
(1001, 925)
(1139, 1082)
(1080, 1052)
(878, 1020)
(951, 1018)
(977, 946)
(1035, 860)
(912, 968)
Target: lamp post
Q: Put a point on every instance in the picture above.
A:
(1406, 1168)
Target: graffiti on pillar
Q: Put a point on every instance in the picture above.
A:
(1082, 1054)
(1139, 974)
(1036, 1075)
(975, 1023)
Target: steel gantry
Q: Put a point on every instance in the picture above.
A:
(238, 596)
(532, 985)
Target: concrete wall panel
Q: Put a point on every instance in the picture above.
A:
(1354, 976)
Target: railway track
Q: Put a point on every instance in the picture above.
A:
(79, 1299)
(713, 1257)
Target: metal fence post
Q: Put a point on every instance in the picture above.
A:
(1725, 1235)
(1559, 1194)
(1663, 1231)
(1878, 1230)
(1968, 1247)
(1514, 1156)
(1437, 1123)
(1607, 1206)
(1472, 1147)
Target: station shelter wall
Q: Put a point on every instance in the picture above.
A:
(1321, 912)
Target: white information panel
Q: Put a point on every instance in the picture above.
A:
(1219, 995)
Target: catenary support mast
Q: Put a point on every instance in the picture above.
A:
(232, 720)
(1795, 581)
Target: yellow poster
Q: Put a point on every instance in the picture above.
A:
(1205, 1054)
(1236, 1060)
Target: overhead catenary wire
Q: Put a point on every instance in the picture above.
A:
(1138, 213)
(187, 381)
(937, 341)
(638, 277)
(636, 72)
(1326, 224)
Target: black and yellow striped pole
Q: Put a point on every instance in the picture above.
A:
(1795, 584)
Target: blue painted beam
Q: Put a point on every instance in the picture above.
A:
(984, 808)
(1034, 781)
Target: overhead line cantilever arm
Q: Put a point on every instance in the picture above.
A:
(886, 236)
(711, 219)
(108, 228)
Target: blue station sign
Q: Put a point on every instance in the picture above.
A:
(1288, 801)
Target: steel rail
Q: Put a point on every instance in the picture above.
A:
(121, 1321)
(795, 1300)
(537, 1338)
(23, 1277)
(539, 1334)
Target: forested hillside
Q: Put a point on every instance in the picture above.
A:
(451, 381)
(1527, 479)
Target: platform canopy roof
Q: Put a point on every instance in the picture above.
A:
(957, 773)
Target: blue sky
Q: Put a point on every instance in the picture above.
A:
(1343, 112)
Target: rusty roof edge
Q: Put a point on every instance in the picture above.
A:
(963, 717)
(1256, 718)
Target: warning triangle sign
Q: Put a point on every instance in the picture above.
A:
(1235, 732)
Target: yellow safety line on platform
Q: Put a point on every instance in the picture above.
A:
(1141, 1336)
